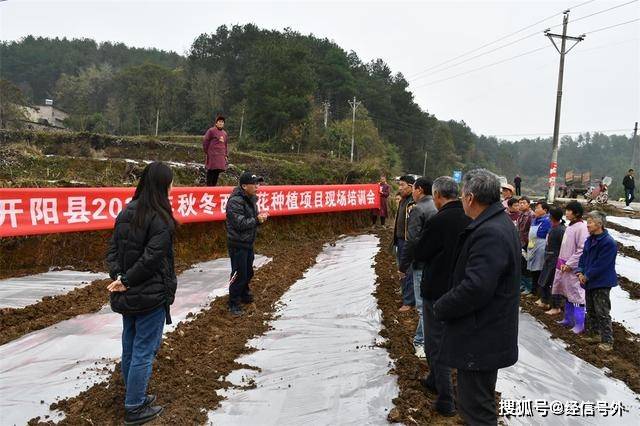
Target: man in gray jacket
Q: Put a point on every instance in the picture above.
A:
(420, 212)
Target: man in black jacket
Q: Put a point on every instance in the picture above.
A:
(435, 249)
(243, 220)
(419, 213)
(480, 311)
(629, 187)
(405, 187)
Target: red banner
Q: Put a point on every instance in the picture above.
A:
(31, 211)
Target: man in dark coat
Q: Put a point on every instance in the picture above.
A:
(400, 228)
(480, 311)
(435, 249)
(243, 220)
(629, 187)
(420, 212)
(517, 181)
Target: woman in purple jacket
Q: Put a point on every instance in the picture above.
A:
(216, 151)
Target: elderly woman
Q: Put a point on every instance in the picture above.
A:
(565, 282)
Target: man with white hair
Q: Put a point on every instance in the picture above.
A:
(480, 312)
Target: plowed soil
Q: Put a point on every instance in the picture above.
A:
(412, 406)
(198, 354)
(194, 243)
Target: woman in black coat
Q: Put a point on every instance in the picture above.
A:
(140, 260)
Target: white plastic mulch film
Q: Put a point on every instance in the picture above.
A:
(25, 291)
(64, 359)
(546, 371)
(320, 364)
(625, 221)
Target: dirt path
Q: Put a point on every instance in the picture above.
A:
(197, 354)
(413, 402)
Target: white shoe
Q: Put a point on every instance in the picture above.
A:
(628, 208)
(420, 352)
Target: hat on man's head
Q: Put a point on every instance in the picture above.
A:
(509, 187)
(248, 178)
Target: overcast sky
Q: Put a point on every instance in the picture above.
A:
(515, 97)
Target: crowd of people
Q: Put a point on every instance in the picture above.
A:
(466, 257)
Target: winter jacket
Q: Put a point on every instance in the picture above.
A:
(524, 223)
(481, 310)
(436, 248)
(400, 226)
(419, 213)
(216, 151)
(242, 219)
(566, 283)
(144, 258)
(598, 261)
(629, 182)
(552, 250)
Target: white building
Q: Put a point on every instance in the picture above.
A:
(47, 115)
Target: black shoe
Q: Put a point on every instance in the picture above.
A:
(236, 310)
(247, 299)
(149, 399)
(427, 383)
(444, 412)
(142, 414)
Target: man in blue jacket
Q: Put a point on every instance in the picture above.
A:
(597, 274)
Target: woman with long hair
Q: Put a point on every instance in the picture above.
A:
(141, 265)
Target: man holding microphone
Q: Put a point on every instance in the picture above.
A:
(242, 224)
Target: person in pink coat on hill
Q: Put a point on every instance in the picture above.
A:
(216, 151)
(566, 282)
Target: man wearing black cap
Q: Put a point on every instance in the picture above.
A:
(243, 220)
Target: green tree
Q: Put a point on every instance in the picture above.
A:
(12, 104)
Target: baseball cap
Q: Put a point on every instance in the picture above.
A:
(248, 178)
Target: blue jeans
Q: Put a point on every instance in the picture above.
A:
(242, 268)
(418, 340)
(408, 299)
(141, 336)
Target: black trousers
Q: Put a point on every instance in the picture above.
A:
(518, 190)
(439, 374)
(476, 397)
(212, 177)
(598, 313)
(374, 219)
(241, 274)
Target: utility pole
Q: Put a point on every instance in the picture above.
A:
(424, 167)
(157, 119)
(354, 106)
(241, 123)
(553, 168)
(635, 159)
(326, 112)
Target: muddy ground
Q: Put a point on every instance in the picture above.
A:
(621, 363)
(412, 406)
(86, 250)
(197, 354)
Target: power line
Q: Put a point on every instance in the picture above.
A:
(413, 76)
(423, 75)
(601, 11)
(613, 26)
(480, 68)
(518, 56)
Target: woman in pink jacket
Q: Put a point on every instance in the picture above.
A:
(566, 282)
(216, 151)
